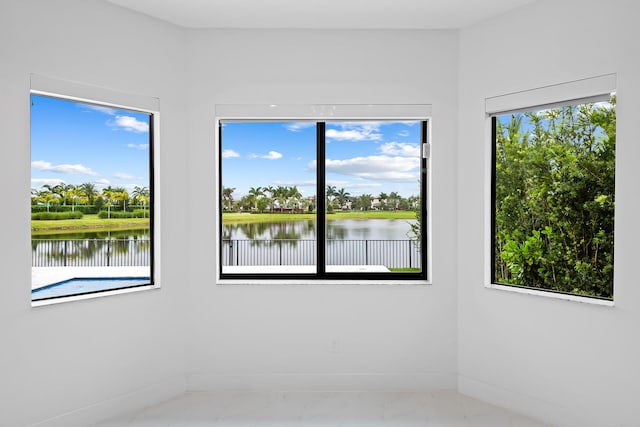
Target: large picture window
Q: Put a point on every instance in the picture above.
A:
(554, 197)
(323, 199)
(91, 197)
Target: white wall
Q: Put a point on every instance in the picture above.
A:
(73, 362)
(322, 337)
(570, 363)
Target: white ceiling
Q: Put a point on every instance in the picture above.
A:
(323, 14)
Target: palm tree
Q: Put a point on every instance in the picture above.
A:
(254, 194)
(271, 190)
(363, 202)
(141, 195)
(293, 196)
(331, 192)
(280, 194)
(343, 197)
(227, 196)
(382, 197)
(89, 190)
(394, 199)
(108, 194)
(48, 197)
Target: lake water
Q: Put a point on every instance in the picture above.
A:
(342, 229)
(349, 242)
(92, 249)
(384, 242)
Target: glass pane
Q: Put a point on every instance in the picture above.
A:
(268, 197)
(555, 198)
(373, 197)
(90, 197)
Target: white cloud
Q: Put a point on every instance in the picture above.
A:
(271, 155)
(378, 168)
(354, 131)
(404, 149)
(229, 153)
(39, 182)
(298, 126)
(102, 182)
(122, 175)
(131, 187)
(99, 108)
(138, 146)
(63, 168)
(305, 183)
(403, 133)
(130, 124)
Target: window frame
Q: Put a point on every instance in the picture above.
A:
(102, 97)
(589, 90)
(320, 115)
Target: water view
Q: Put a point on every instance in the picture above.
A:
(349, 242)
(125, 248)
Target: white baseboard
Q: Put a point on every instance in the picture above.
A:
(418, 382)
(544, 411)
(118, 405)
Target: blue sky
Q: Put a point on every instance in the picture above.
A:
(74, 143)
(362, 157)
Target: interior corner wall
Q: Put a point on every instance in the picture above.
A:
(322, 337)
(72, 363)
(569, 363)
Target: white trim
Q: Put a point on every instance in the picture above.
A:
(323, 111)
(318, 112)
(330, 382)
(43, 85)
(589, 89)
(553, 295)
(545, 411)
(101, 294)
(132, 401)
(311, 282)
(63, 89)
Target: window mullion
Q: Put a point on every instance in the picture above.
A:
(321, 205)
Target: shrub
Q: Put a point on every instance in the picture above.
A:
(56, 215)
(121, 214)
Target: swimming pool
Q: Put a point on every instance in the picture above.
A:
(81, 285)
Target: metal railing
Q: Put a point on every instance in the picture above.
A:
(390, 253)
(91, 253)
(137, 252)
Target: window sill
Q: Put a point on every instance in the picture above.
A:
(553, 295)
(320, 282)
(61, 300)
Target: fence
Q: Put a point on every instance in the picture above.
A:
(390, 253)
(91, 253)
(137, 252)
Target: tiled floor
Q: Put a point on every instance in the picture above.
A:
(439, 409)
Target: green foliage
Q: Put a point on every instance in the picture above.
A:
(56, 215)
(555, 198)
(85, 209)
(122, 214)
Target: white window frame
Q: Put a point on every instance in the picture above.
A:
(323, 112)
(592, 89)
(74, 91)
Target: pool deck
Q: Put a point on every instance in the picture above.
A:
(43, 276)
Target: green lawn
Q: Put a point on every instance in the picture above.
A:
(87, 222)
(228, 218)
